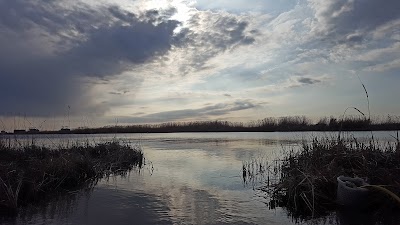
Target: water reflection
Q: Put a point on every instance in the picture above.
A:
(60, 208)
(188, 179)
(99, 206)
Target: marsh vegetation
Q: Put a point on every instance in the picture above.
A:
(31, 173)
(304, 180)
(271, 124)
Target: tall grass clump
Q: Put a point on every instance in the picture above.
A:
(307, 181)
(304, 180)
(30, 173)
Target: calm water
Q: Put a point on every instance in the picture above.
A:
(189, 178)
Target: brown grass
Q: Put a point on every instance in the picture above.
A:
(31, 173)
(306, 182)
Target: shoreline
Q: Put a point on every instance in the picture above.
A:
(193, 131)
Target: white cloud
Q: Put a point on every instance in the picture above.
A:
(379, 53)
(387, 29)
(387, 66)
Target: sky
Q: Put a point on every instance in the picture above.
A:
(96, 63)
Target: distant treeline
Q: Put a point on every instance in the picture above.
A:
(292, 123)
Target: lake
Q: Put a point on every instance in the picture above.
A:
(189, 178)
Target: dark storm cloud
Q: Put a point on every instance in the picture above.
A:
(52, 54)
(301, 81)
(307, 80)
(112, 50)
(203, 113)
(344, 18)
(49, 51)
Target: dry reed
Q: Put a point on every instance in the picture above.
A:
(31, 173)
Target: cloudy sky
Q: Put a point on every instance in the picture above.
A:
(149, 61)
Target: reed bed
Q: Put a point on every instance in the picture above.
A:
(31, 173)
(306, 181)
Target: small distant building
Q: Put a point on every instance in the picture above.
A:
(19, 131)
(3, 132)
(65, 130)
(33, 131)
